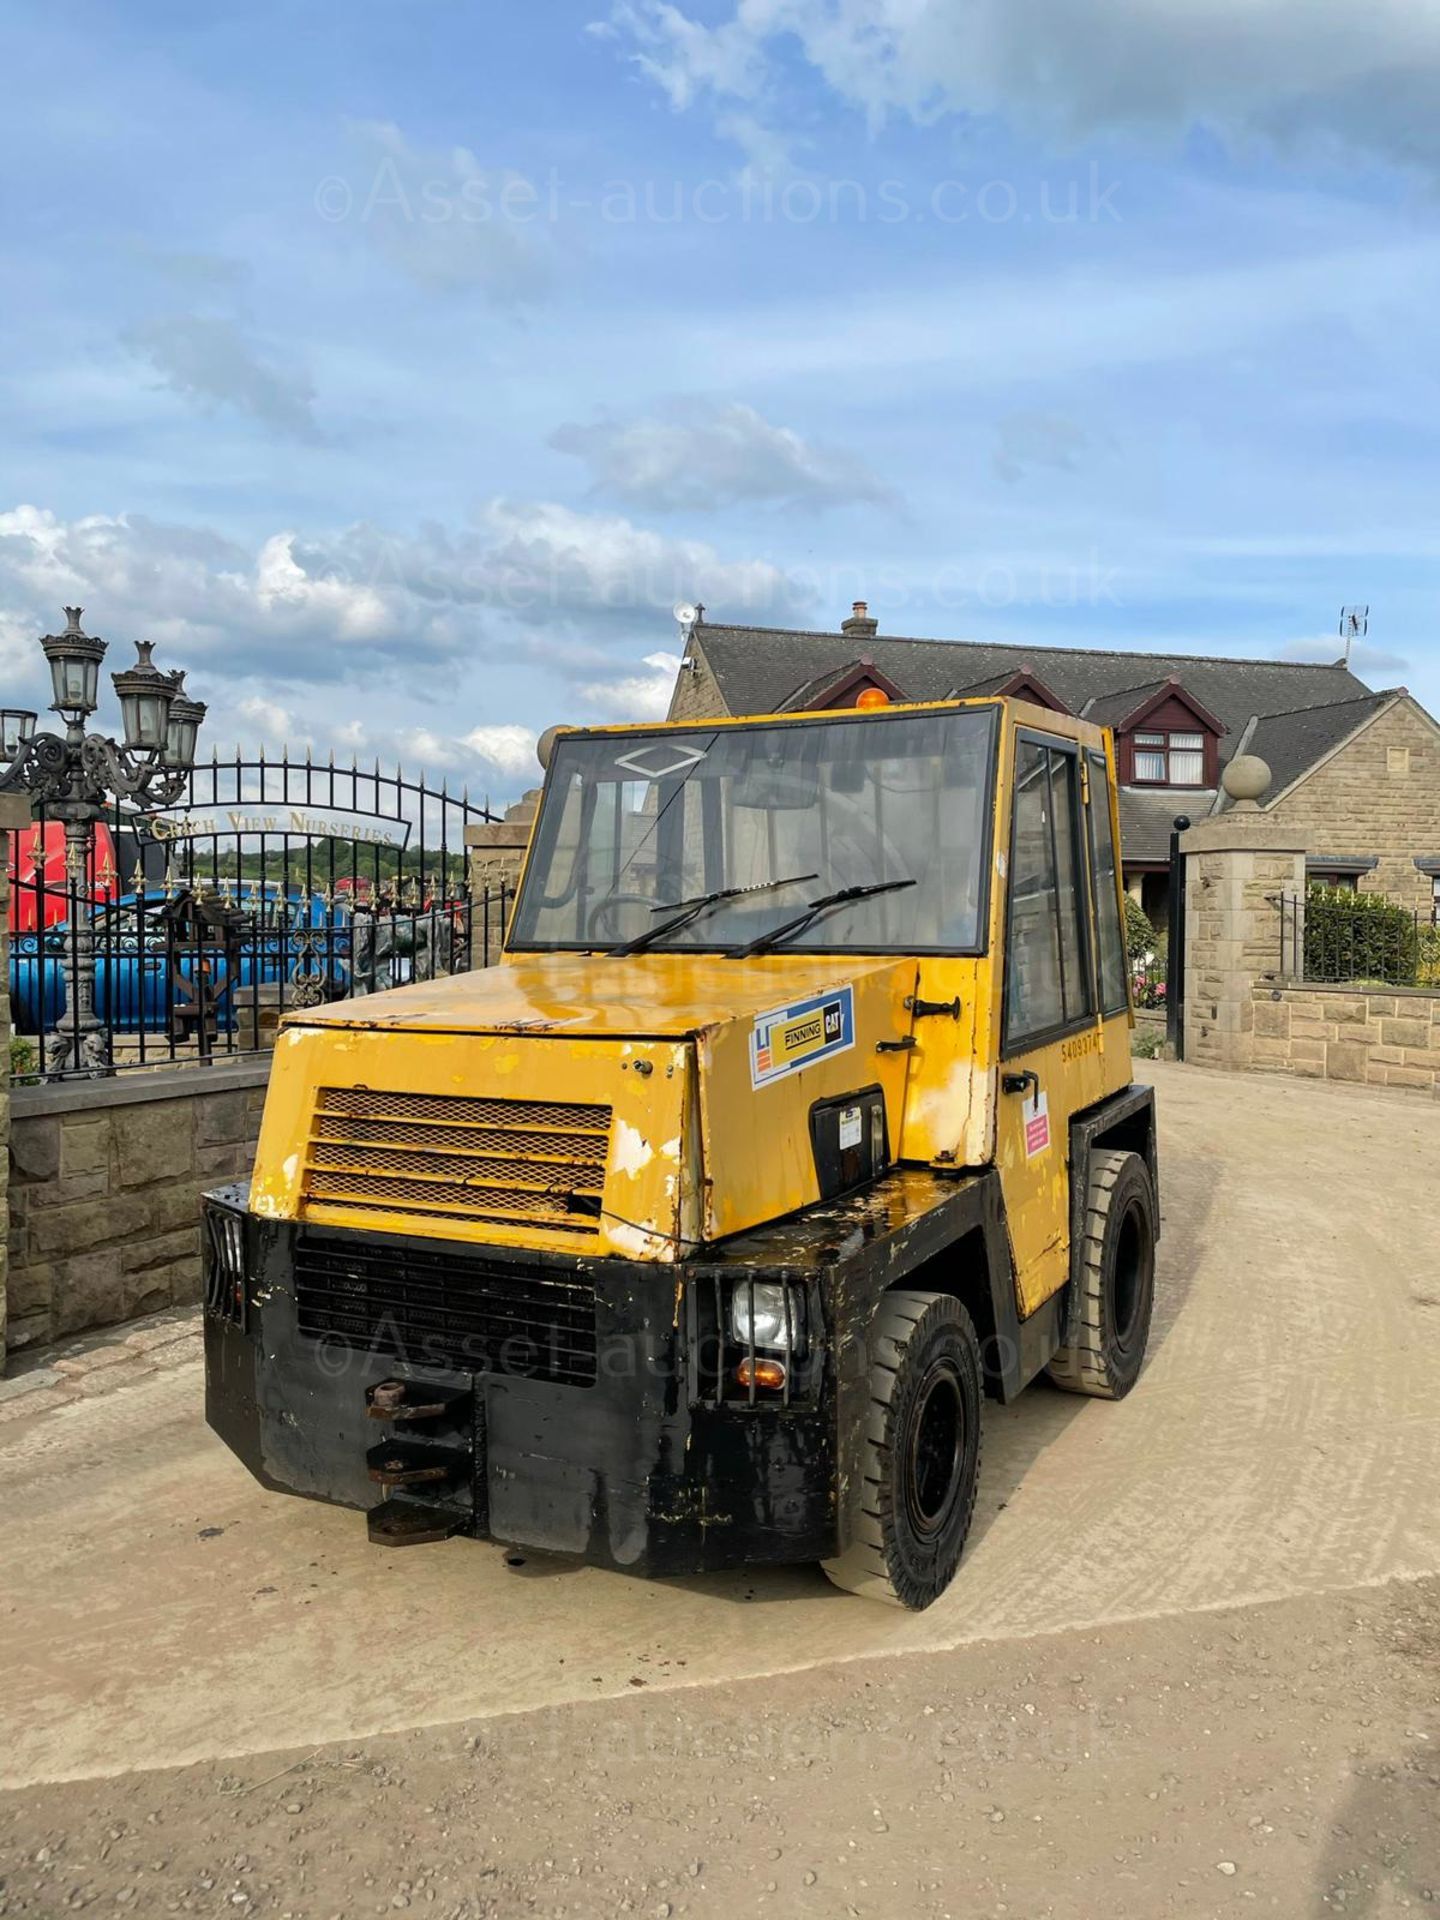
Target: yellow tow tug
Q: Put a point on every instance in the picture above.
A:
(796, 1119)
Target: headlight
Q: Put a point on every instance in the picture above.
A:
(758, 1315)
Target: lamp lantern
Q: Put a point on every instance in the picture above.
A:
(182, 726)
(17, 725)
(74, 657)
(145, 695)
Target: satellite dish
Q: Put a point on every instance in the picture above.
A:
(685, 614)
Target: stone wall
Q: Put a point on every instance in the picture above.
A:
(697, 693)
(1379, 795)
(14, 815)
(1382, 1037)
(105, 1185)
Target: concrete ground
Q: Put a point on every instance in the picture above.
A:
(1204, 1622)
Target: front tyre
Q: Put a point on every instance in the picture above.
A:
(909, 1484)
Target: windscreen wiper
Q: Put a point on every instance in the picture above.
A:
(815, 908)
(687, 910)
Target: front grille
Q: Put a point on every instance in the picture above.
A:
(446, 1309)
(533, 1163)
(226, 1288)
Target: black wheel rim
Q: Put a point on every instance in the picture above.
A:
(1128, 1279)
(936, 1450)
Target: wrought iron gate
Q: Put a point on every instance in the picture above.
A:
(274, 883)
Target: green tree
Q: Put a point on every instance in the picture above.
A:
(1140, 935)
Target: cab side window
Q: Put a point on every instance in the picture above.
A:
(1047, 967)
(1110, 932)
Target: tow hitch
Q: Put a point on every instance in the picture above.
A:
(428, 1467)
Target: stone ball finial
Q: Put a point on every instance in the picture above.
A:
(1246, 778)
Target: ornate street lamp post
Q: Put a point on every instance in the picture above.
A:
(75, 776)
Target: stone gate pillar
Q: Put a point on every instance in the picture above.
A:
(496, 853)
(1238, 866)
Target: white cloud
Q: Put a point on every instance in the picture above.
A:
(353, 609)
(1286, 70)
(701, 455)
(546, 561)
(636, 696)
(405, 647)
(207, 359)
(442, 218)
(509, 749)
(365, 601)
(269, 718)
(684, 57)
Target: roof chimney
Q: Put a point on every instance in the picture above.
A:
(860, 626)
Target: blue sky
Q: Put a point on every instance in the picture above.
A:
(399, 368)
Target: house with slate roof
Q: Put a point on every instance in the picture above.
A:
(1356, 770)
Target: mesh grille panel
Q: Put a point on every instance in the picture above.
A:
(449, 1137)
(366, 1103)
(445, 1309)
(551, 1173)
(504, 1161)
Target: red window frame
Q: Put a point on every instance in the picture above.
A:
(1205, 748)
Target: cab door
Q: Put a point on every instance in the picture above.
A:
(1052, 1060)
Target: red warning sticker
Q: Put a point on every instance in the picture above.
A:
(1037, 1126)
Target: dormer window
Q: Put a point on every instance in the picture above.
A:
(1164, 737)
(1169, 759)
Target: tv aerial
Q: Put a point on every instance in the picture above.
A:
(1354, 625)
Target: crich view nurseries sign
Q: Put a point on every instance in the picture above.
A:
(196, 823)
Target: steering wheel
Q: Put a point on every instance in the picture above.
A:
(608, 905)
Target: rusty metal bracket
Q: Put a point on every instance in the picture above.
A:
(388, 1400)
(406, 1463)
(407, 1523)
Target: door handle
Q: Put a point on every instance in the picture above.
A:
(1017, 1082)
(897, 1046)
(924, 1009)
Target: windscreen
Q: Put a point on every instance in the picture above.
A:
(635, 828)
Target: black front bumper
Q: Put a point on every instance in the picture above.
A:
(636, 1451)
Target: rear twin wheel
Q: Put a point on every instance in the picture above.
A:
(1117, 1280)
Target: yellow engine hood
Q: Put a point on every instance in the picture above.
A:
(636, 1106)
(646, 995)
